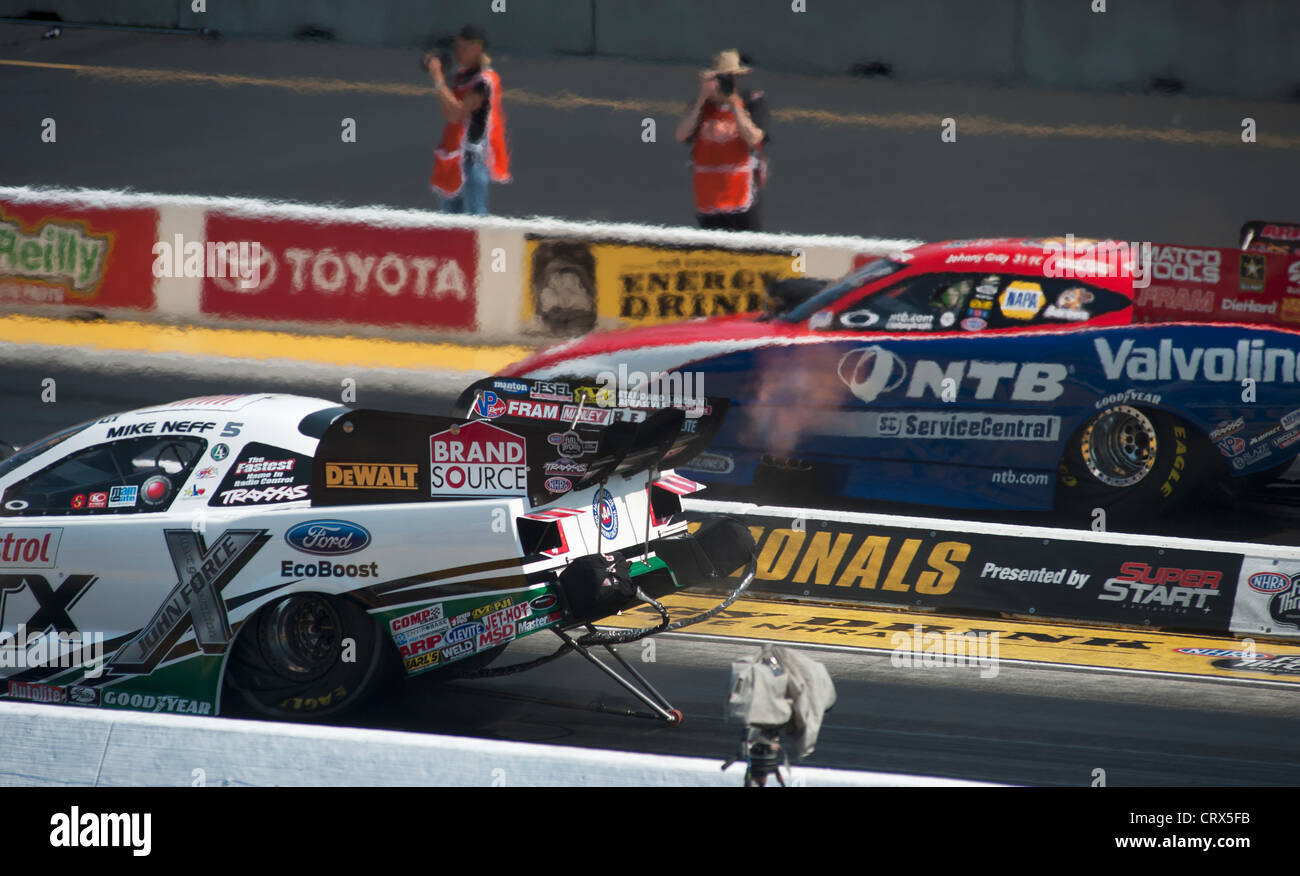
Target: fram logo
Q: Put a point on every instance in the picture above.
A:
(870, 372)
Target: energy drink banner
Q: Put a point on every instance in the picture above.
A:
(576, 285)
(55, 254)
(954, 571)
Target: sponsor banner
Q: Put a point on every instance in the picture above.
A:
(1268, 598)
(956, 571)
(61, 255)
(938, 638)
(349, 272)
(434, 634)
(1207, 284)
(574, 285)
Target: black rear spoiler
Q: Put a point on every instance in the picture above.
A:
(1260, 236)
(372, 456)
(608, 432)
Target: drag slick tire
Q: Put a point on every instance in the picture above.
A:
(1133, 463)
(288, 660)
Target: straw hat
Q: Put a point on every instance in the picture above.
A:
(726, 62)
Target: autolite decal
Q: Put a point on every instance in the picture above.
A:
(37, 693)
(24, 548)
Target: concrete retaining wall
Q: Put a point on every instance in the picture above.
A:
(1236, 47)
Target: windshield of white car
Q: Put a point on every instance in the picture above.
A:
(868, 273)
(30, 451)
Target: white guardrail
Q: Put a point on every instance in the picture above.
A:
(475, 279)
(69, 746)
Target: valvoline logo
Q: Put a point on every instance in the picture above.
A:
(605, 514)
(1269, 582)
(327, 537)
(489, 405)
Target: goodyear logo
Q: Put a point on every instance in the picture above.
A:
(852, 560)
(370, 476)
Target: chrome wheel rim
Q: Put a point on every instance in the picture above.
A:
(1119, 446)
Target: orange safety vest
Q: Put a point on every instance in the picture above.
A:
(724, 163)
(448, 172)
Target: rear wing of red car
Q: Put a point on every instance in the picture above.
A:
(1258, 284)
(1277, 237)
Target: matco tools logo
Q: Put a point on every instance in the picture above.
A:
(870, 372)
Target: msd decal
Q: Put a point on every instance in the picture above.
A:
(478, 459)
(195, 602)
(870, 372)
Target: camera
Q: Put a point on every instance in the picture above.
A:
(726, 84)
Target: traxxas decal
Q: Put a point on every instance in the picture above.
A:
(202, 573)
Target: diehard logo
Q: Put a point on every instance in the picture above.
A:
(478, 459)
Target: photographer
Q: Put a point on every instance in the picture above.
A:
(473, 145)
(726, 127)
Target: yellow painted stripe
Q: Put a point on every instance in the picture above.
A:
(1061, 644)
(345, 351)
(929, 123)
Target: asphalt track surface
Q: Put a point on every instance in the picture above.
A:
(1028, 725)
(179, 114)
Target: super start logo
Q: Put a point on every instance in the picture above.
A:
(478, 459)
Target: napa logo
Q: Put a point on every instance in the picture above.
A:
(1022, 300)
(1269, 582)
(327, 537)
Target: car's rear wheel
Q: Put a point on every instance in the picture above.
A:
(307, 656)
(1132, 463)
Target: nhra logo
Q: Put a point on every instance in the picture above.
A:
(870, 372)
(1269, 582)
(605, 514)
